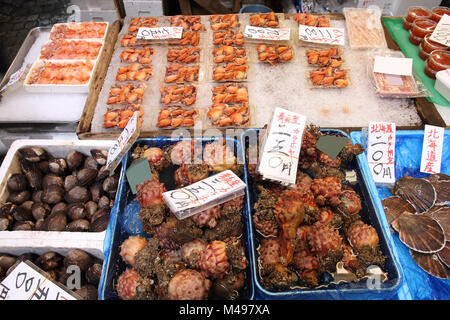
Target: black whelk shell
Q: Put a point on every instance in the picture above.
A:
(90, 162)
(77, 194)
(86, 176)
(19, 197)
(70, 182)
(49, 261)
(80, 225)
(442, 188)
(52, 179)
(419, 232)
(40, 210)
(32, 173)
(17, 182)
(33, 154)
(442, 216)
(437, 177)
(394, 206)
(55, 222)
(52, 194)
(419, 192)
(74, 159)
(431, 264)
(444, 254)
(58, 166)
(100, 156)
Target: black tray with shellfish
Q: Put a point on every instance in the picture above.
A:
(322, 238)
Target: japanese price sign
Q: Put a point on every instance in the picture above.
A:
(14, 78)
(161, 33)
(322, 35)
(282, 146)
(441, 33)
(26, 282)
(433, 141)
(205, 194)
(123, 143)
(381, 152)
(267, 33)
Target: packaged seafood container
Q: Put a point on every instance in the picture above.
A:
(417, 283)
(343, 290)
(89, 241)
(127, 221)
(54, 30)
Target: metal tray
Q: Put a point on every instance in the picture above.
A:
(369, 215)
(126, 221)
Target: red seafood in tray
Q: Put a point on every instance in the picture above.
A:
(274, 54)
(119, 117)
(142, 22)
(176, 116)
(325, 58)
(394, 85)
(178, 73)
(131, 41)
(189, 23)
(230, 93)
(230, 71)
(269, 19)
(127, 94)
(184, 55)
(227, 21)
(311, 20)
(134, 72)
(237, 55)
(228, 37)
(61, 73)
(188, 38)
(223, 115)
(178, 94)
(71, 49)
(329, 77)
(143, 55)
(79, 30)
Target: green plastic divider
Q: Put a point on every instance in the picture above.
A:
(401, 37)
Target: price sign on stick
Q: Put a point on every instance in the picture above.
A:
(161, 33)
(282, 145)
(205, 194)
(126, 139)
(334, 36)
(433, 141)
(28, 282)
(381, 152)
(441, 33)
(267, 33)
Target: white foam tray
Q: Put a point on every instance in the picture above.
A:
(36, 241)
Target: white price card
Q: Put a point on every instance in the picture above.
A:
(433, 141)
(267, 33)
(381, 152)
(161, 33)
(441, 33)
(335, 36)
(28, 282)
(282, 146)
(205, 194)
(392, 65)
(126, 139)
(14, 78)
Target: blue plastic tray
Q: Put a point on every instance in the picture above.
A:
(357, 290)
(408, 150)
(126, 222)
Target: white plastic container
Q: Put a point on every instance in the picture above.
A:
(99, 15)
(143, 8)
(12, 241)
(95, 4)
(442, 84)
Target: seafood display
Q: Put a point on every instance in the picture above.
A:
(274, 54)
(184, 55)
(228, 38)
(230, 54)
(79, 30)
(311, 20)
(119, 117)
(329, 77)
(127, 94)
(177, 73)
(189, 23)
(308, 230)
(224, 22)
(58, 266)
(142, 22)
(230, 93)
(364, 28)
(325, 57)
(143, 56)
(134, 72)
(178, 94)
(230, 72)
(269, 19)
(60, 73)
(50, 193)
(130, 40)
(71, 49)
(176, 116)
(199, 257)
(422, 222)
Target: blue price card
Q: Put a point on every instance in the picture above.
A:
(138, 173)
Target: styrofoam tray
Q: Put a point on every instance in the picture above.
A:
(58, 24)
(88, 241)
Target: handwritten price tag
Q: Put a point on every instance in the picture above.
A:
(334, 36)
(14, 78)
(205, 194)
(123, 143)
(28, 282)
(267, 33)
(161, 33)
(282, 146)
(441, 33)
(433, 141)
(381, 152)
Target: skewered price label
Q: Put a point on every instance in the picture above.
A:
(126, 139)
(28, 282)
(381, 152)
(442, 32)
(433, 141)
(161, 33)
(282, 146)
(267, 33)
(205, 194)
(334, 36)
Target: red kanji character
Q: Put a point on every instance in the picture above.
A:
(429, 167)
(281, 116)
(389, 128)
